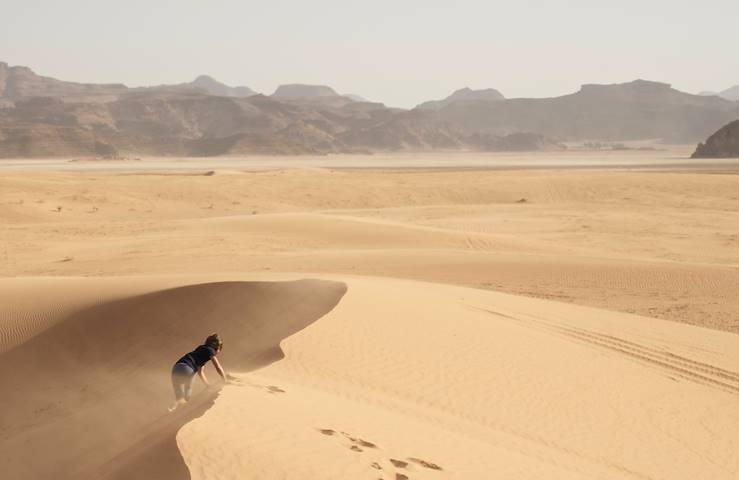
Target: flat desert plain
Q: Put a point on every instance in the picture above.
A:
(380, 323)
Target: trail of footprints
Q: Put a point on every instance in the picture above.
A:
(239, 382)
(387, 468)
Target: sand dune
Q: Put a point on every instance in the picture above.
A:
(654, 243)
(394, 378)
(483, 385)
(94, 383)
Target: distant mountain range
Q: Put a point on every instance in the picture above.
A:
(42, 116)
(731, 93)
(18, 82)
(627, 111)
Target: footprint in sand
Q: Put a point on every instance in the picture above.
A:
(407, 467)
(391, 465)
(425, 464)
(240, 382)
(356, 444)
(388, 466)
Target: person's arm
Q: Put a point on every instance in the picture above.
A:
(201, 373)
(219, 369)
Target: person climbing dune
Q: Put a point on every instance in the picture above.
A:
(185, 368)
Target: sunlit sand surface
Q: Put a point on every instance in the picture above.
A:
(382, 323)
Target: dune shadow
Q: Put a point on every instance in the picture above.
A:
(89, 394)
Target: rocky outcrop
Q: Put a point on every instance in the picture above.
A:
(297, 90)
(17, 83)
(514, 142)
(731, 93)
(464, 95)
(24, 141)
(355, 97)
(722, 144)
(209, 85)
(314, 95)
(21, 82)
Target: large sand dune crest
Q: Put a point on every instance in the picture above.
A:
(399, 379)
(482, 385)
(95, 383)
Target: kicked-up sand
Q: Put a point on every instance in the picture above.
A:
(392, 324)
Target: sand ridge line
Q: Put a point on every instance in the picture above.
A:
(115, 356)
(371, 368)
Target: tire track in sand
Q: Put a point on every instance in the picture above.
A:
(689, 369)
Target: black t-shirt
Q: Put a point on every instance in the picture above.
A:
(198, 357)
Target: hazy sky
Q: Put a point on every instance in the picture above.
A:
(398, 52)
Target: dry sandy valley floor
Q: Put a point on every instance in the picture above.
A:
(404, 323)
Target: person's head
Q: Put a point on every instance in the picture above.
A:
(214, 341)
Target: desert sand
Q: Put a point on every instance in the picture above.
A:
(380, 323)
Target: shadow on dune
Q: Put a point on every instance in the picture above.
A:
(88, 396)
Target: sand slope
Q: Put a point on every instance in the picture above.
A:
(654, 243)
(348, 376)
(394, 378)
(89, 393)
(484, 385)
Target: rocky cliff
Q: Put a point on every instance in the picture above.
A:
(722, 144)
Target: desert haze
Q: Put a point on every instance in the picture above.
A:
(369, 240)
(404, 323)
